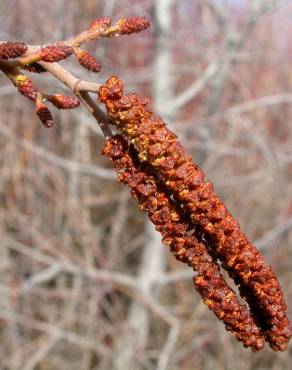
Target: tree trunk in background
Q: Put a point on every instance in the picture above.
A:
(153, 261)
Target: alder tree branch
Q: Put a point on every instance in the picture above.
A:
(148, 157)
(16, 57)
(81, 89)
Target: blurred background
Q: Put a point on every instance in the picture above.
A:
(84, 280)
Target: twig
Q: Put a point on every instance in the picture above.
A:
(196, 87)
(42, 352)
(79, 88)
(268, 238)
(56, 160)
(55, 331)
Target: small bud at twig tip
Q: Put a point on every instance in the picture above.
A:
(87, 60)
(12, 49)
(63, 101)
(44, 114)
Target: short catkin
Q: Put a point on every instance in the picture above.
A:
(12, 49)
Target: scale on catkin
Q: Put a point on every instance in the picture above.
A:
(159, 147)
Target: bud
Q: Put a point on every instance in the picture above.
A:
(103, 22)
(132, 25)
(12, 49)
(63, 101)
(34, 68)
(54, 53)
(26, 87)
(44, 114)
(87, 60)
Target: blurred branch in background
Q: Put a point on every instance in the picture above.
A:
(85, 282)
(152, 262)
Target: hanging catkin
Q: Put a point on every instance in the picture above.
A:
(159, 147)
(173, 226)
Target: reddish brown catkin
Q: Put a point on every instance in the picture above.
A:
(23, 83)
(160, 147)
(87, 60)
(63, 101)
(171, 223)
(26, 87)
(12, 49)
(34, 68)
(55, 52)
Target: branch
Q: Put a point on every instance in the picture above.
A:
(80, 88)
(67, 164)
(16, 56)
(196, 87)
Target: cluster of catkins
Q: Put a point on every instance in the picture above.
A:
(170, 187)
(28, 60)
(193, 221)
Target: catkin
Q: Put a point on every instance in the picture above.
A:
(12, 49)
(26, 87)
(170, 221)
(55, 52)
(159, 147)
(63, 101)
(87, 60)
